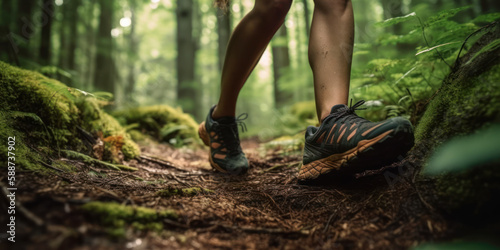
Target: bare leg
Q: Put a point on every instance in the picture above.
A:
(330, 53)
(248, 41)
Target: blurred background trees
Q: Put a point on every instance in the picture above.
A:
(147, 52)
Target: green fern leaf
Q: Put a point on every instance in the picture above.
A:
(395, 20)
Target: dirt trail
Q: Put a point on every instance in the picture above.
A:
(264, 209)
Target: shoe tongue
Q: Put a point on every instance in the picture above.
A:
(226, 120)
(337, 108)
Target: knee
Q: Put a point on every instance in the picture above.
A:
(273, 9)
(332, 5)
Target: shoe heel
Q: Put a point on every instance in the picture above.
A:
(202, 133)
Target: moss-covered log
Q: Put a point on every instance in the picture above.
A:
(468, 101)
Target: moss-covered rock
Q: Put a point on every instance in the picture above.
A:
(116, 217)
(161, 122)
(47, 116)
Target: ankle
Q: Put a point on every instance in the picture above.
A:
(220, 113)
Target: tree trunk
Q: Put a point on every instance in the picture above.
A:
(8, 50)
(104, 75)
(133, 56)
(25, 29)
(224, 32)
(63, 35)
(73, 33)
(90, 44)
(48, 7)
(306, 16)
(281, 61)
(186, 49)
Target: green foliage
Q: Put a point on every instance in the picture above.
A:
(401, 83)
(467, 152)
(116, 217)
(396, 20)
(162, 122)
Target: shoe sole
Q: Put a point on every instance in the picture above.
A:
(203, 134)
(368, 154)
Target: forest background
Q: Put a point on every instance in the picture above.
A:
(138, 53)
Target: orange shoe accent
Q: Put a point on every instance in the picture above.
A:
(352, 134)
(371, 129)
(320, 139)
(335, 162)
(330, 133)
(341, 134)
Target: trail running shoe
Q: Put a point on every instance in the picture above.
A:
(222, 137)
(346, 144)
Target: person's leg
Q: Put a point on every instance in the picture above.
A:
(344, 143)
(330, 53)
(248, 41)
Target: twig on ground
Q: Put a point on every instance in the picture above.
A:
(329, 220)
(161, 162)
(289, 165)
(259, 230)
(49, 166)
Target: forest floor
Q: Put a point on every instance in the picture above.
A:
(263, 209)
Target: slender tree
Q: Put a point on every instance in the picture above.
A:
(224, 32)
(281, 61)
(47, 16)
(7, 48)
(104, 75)
(132, 54)
(63, 36)
(186, 53)
(25, 28)
(73, 33)
(306, 16)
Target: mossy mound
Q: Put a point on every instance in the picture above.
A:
(161, 122)
(116, 217)
(47, 116)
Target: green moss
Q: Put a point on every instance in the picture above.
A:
(161, 122)
(182, 192)
(24, 157)
(97, 120)
(460, 108)
(304, 110)
(89, 160)
(116, 217)
(45, 115)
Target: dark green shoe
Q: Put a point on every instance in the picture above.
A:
(222, 137)
(347, 144)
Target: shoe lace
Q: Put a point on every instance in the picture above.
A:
(350, 112)
(229, 134)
